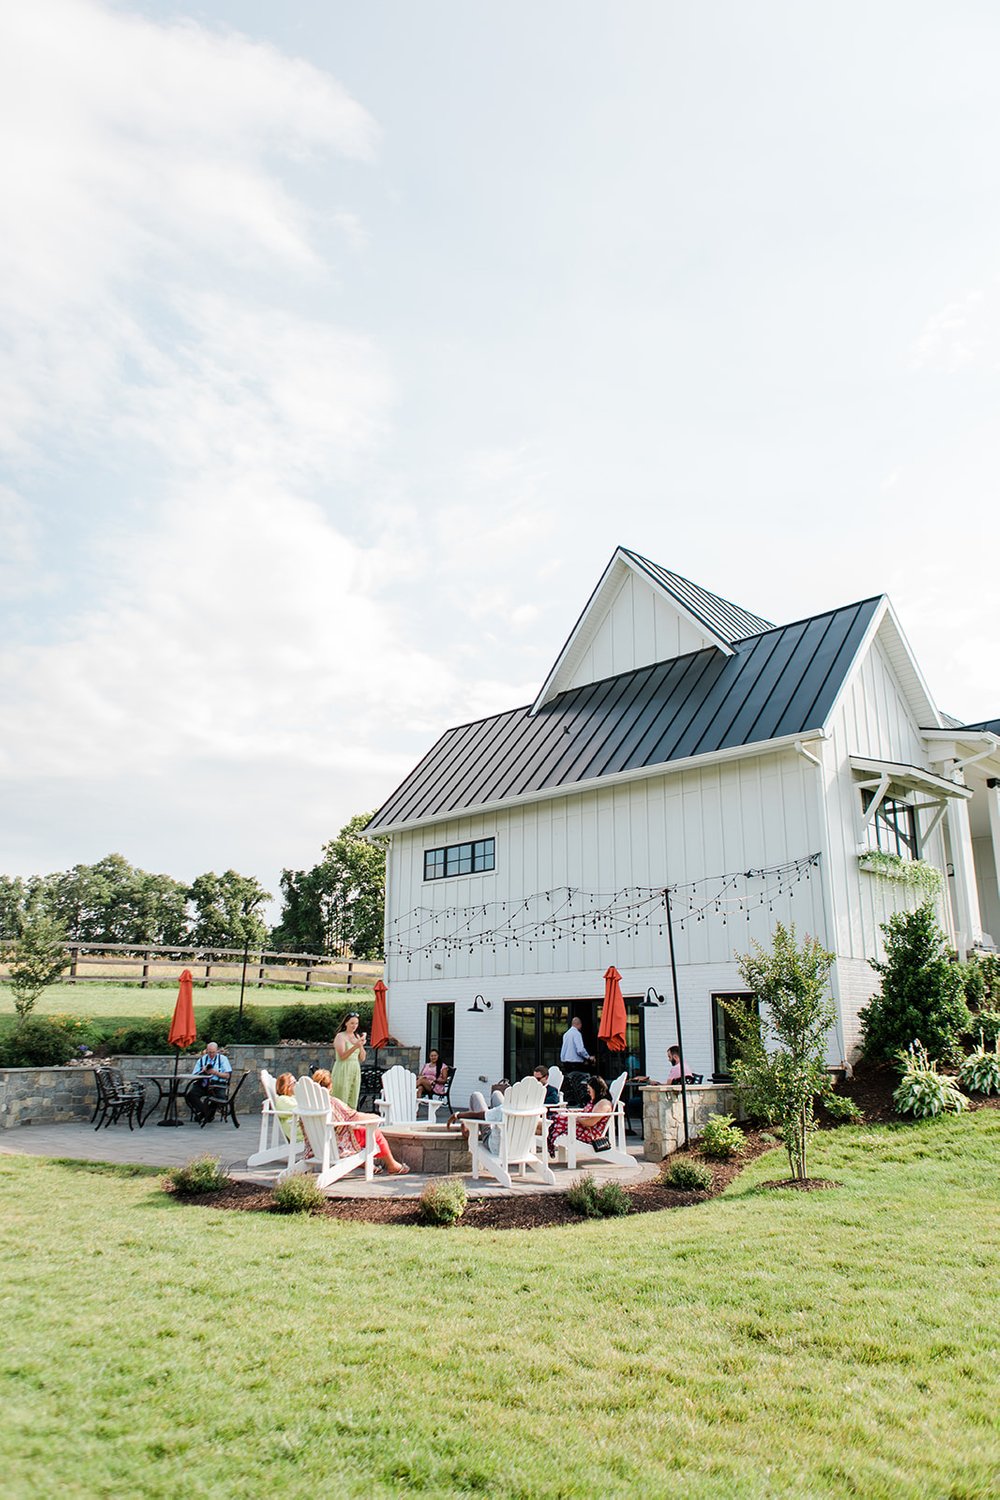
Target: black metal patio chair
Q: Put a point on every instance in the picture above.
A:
(116, 1098)
(225, 1108)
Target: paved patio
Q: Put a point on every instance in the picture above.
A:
(155, 1147)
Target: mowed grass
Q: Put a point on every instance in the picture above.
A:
(122, 1003)
(838, 1343)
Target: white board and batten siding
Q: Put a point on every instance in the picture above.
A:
(873, 720)
(639, 628)
(754, 812)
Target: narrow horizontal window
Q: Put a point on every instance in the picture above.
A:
(460, 859)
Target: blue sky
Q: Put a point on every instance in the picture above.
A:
(340, 344)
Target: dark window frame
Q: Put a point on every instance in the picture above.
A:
(433, 1033)
(721, 1022)
(894, 825)
(471, 857)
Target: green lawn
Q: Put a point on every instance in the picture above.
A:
(838, 1343)
(123, 1003)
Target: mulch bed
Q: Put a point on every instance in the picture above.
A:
(534, 1211)
(871, 1086)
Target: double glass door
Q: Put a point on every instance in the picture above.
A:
(534, 1029)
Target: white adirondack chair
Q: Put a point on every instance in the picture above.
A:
(617, 1154)
(273, 1144)
(556, 1080)
(521, 1143)
(312, 1106)
(398, 1104)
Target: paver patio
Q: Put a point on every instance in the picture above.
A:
(153, 1147)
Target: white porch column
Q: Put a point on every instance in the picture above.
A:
(967, 918)
(993, 804)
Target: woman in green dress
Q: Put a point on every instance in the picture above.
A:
(349, 1045)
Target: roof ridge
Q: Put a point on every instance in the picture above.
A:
(668, 579)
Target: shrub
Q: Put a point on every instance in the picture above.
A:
(686, 1177)
(221, 1024)
(921, 995)
(37, 958)
(980, 1072)
(612, 1201)
(318, 1023)
(843, 1109)
(298, 1195)
(986, 1026)
(41, 1042)
(202, 1175)
(722, 1139)
(141, 1038)
(923, 1090)
(443, 1202)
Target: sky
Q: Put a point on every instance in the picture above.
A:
(340, 345)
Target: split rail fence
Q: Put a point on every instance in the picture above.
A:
(141, 965)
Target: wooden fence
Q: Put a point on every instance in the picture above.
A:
(127, 963)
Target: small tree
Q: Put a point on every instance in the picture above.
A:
(782, 1067)
(38, 957)
(922, 993)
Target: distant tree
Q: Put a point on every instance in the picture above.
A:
(37, 958)
(13, 901)
(226, 910)
(113, 902)
(338, 905)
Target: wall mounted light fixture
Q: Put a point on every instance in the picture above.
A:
(652, 999)
(479, 1005)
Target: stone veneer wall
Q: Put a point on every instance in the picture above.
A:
(36, 1096)
(663, 1116)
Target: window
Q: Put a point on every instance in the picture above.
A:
(724, 1033)
(894, 827)
(459, 859)
(441, 1031)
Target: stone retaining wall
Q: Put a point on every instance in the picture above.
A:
(36, 1096)
(663, 1115)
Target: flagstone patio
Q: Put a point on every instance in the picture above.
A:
(155, 1147)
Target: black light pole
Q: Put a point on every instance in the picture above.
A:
(249, 904)
(677, 1014)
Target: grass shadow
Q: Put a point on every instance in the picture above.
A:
(105, 1168)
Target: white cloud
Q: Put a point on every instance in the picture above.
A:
(964, 335)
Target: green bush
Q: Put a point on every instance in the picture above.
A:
(843, 1109)
(612, 1201)
(319, 1023)
(298, 1195)
(980, 1072)
(443, 1202)
(43, 1042)
(139, 1038)
(259, 1028)
(922, 993)
(202, 1175)
(924, 1091)
(686, 1177)
(986, 1028)
(722, 1139)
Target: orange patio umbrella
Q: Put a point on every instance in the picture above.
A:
(380, 1024)
(181, 1034)
(612, 1028)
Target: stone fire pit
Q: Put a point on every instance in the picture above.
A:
(438, 1150)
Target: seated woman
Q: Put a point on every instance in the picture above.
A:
(354, 1140)
(593, 1122)
(284, 1088)
(432, 1080)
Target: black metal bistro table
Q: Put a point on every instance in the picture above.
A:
(169, 1087)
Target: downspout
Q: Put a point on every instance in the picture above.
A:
(825, 887)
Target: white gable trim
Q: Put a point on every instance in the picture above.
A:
(594, 611)
(885, 626)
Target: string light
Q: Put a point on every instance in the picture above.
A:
(567, 913)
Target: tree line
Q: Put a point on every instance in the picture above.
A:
(335, 908)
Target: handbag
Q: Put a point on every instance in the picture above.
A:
(601, 1144)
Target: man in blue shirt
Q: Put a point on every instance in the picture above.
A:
(211, 1082)
(573, 1049)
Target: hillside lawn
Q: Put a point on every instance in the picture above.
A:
(778, 1344)
(125, 1003)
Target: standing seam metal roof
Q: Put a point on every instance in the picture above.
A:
(778, 682)
(727, 621)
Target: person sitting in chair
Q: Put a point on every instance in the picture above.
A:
(592, 1123)
(211, 1082)
(674, 1061)
(551, 1092)
(432, 1080)
(354, 1140)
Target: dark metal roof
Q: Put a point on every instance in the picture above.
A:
(727, 622)
(779, 682)
(992, 726)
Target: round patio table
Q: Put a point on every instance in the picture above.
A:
(168, 1086)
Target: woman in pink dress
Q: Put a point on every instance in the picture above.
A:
(592, 1123)
(349, 1139)
(433, 1077)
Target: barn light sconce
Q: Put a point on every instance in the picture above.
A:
(652, 999)
(479, 1005)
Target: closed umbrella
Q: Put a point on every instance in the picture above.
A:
(613, 1020)
(181, 1034)
(380, 1025)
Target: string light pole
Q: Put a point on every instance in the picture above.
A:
(654, 999)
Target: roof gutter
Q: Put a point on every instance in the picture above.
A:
(617, 778)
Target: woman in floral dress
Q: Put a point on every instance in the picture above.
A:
(592, 1123)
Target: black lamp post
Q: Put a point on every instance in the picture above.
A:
(250, 904)
(653, 999)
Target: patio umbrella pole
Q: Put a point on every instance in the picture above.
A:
(170, 1118)
(677, 1015)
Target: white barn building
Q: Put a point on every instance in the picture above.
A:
(678, 742)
